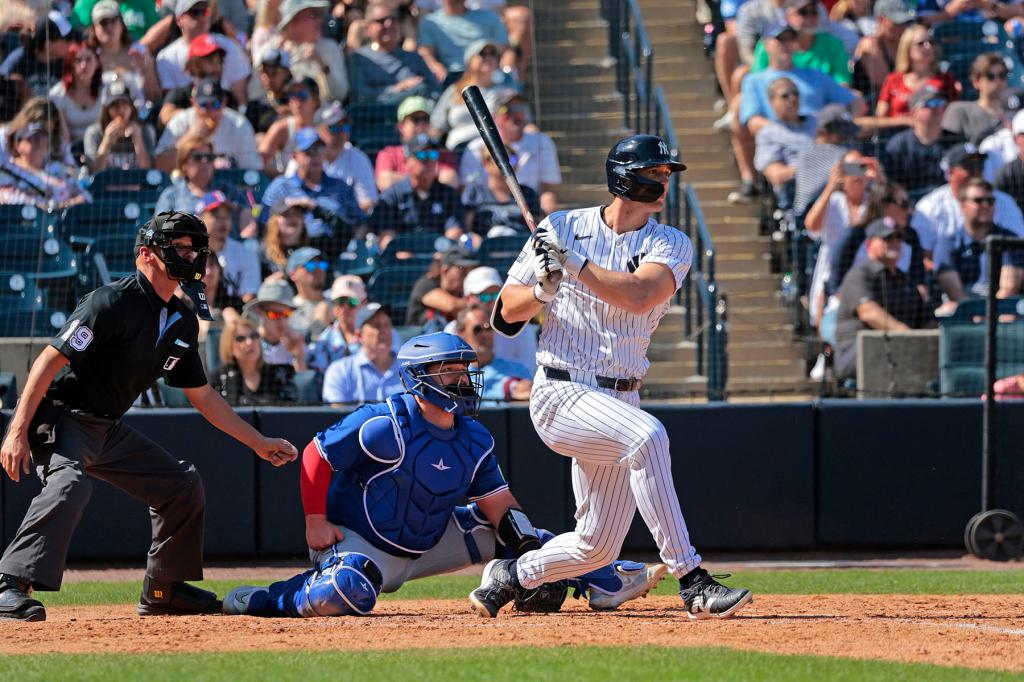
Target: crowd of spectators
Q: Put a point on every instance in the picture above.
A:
(351, 111)
(888, 134)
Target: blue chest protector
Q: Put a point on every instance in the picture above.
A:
(401, 495)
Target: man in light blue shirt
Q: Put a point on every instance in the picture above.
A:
(445, 34)
(370, 375)
(503, 379)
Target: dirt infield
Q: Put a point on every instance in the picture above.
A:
(978, 631)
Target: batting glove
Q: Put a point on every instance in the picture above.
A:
(549, 275)
(545, 238)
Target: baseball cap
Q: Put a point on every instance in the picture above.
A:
(53, 26)
(897, 11)
(211, 201)
(331, 114)
(835, 118)
(1017, 125)
(30, 130)
(273, 56)
(306, 139)
(776, 31)
(413, 105)
(289, 8)
(271, 291)
(297, 200)
(420, 143)
(928, 96)
(114, 91)
(476, 47)
(797, 4)
(301, 256)
(960, 155)
(368, 311)
(203, 46)
(105, 9)
(460, 257)
(185, 5)
(502, 96)
(348, 286)
(207, 90)
(883, 228)
(479, 280)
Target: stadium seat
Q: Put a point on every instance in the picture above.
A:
(410, 249)
(140, 186)
(8, 390)
(392, 286)
(501, 252)
(24, 217)
(249, 183)
(308, 384)
(374, 125)
(171, 396)
(212, 348)
(107, 228)
(42, 257)
(962, 41)
(962, 347)
(356, 260)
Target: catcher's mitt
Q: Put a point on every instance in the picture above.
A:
(547, 598)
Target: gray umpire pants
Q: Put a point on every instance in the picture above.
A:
(79, 447)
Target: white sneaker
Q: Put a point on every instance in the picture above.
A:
(634, 584)
(236, 603)
(817, 372)
(723, 123)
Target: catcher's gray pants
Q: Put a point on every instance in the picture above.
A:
(450, 554)
(111, 451)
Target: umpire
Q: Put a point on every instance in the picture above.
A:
(119, 340)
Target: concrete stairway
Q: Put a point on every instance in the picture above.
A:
(574, 83)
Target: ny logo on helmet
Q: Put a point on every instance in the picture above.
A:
(662, 147)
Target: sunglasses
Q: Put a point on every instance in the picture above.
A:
(809, 11)
(899, 203)
(350, 301)
(108, 22)
(215, 105)
(982, 201)
(789, 94)
(314, 265)
(384, 21)
(419, 118)
(203, 157)
(198, 12)
(301, 95)
(242, 338)
(278, 314)
(338, 128)
(482, 328)
(489, 53)
(996, 75)
(487, 298)
(428, 155)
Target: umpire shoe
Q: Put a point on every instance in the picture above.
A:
(705, 597)
(635, 583)
(15, 602)
(161, 598)
(497, 587)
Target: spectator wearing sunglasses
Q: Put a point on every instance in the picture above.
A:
(194, 178)
(917, 66)
(172, 62)
(342, 159)
(372, 373)
(233, 139)
(504, 380)
(1010, 177)
(244, 377)
(445, 35)
(38, 64)
(307, 271)
(419, 203)
(137, 16)
(814, 49)
(347, 295)
(488, 201)
(300, 34)
(975, 120)
(782, 142)
(268, 91)
(205, 60)
(413, 120)
(277, 146)
(913, 157)
(239, 265)
(272, 309)
(381, 70)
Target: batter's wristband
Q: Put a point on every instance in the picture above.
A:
(574, 264)
(541, 295)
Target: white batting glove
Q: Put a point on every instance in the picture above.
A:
(549, 275)
(545, 238)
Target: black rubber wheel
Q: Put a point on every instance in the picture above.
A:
(996, 535)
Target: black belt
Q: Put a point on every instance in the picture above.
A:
(603, 382)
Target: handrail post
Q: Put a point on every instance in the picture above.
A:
(687, 293)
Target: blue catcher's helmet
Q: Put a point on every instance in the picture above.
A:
(420, 352)
(632, 154)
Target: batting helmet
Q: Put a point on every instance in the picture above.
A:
(632, 154)
(421, 352)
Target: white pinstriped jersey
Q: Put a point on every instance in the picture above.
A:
(583, 332)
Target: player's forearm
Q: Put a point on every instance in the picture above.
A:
(624, 289)
(518, 304)
(44, 369)
(216, 410)
(494, 506)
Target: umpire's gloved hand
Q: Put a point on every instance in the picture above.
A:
(545, 238)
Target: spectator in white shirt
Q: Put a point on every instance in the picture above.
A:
(240, 266)
(300, 34)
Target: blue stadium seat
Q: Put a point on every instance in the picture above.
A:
(501, 252)
(249, 183)
(962, 41)
(415, 249)
(24, 217)
(24, 310)
(356, 260)
(172, 396)
(43, 258)
(140, 186)
(962, 347)
(392, 286)
(374, 125)
(307, 382)
(108, 228)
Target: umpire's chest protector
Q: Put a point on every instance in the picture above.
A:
(408, 502)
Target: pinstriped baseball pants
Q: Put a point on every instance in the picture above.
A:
(620, 462)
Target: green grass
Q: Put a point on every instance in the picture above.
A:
(824, 581)
(512, 664)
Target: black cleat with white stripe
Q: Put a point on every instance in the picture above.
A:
(497, 588)
(705, 597)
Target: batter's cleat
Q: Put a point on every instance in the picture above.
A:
(635, 583)
(236, 602)
(705, 597)
(497, 588)
(160, 598)
(16, 602)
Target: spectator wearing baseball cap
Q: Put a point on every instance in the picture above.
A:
(31, 176)
(272, 309)
(503, 380)
(437, 297)
(118, 139)
(450, 118)
(938, 214)
(1001, 146)
(489, 203)
(206, 55)
(836, 136)
(814, 48)
(413, 120)
(109, 34)
(347, 295)
(38, 64)
(193, 18)
(268, 95)
(420, 202)
(537, 165)
(372, 373)
(913, 157)
(382, 71)
(137, 16)
(276, 147)
(240, 266)
(1010, 177)
(446, 35)
(307, 270)
(882, 34)
(300, 33)
(232, 137)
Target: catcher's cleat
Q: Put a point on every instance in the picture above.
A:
(16, 602)
(635, 580)
(705, 597)
(497, 588)
(236, 602)
(175, 599)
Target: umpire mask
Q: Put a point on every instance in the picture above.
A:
(187, 264)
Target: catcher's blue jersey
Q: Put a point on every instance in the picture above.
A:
(398, 478)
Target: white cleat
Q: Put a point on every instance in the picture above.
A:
(236, 603)
(634, 584)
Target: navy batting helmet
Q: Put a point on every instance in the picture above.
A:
(632, 154)
(421, 352)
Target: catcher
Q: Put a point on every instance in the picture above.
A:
(382, 490)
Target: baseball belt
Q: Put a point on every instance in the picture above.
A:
(603, 382)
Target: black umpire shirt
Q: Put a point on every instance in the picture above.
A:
(119, 340)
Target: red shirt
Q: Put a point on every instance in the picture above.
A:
(392, 159)
(897, 94)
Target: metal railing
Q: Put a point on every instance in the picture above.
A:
(645, 110)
